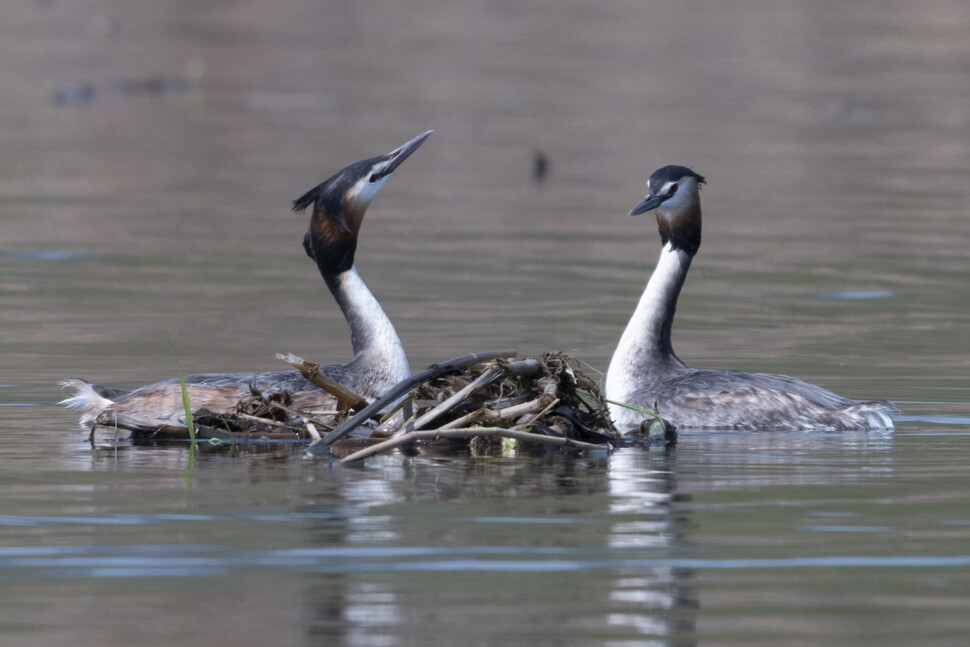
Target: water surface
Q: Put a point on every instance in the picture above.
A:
(148, 159)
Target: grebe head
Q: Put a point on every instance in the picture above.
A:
(339, 204)
(674, 191)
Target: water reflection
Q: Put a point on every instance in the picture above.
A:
(660, 601)
(409, 549)
(719, 460)
(482, 531)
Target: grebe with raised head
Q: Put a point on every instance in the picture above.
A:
(646, 373)
(379, 360)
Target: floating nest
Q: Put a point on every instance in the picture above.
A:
(479, 401)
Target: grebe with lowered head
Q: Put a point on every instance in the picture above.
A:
(379, 361)
(646, 373)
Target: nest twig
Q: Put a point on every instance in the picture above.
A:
(542, 400)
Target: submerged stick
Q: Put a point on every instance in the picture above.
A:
(402, 387)
(431, 434)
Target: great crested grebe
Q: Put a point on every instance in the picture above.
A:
(379, 361)
(645, 372)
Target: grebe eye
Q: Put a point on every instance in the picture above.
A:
(374, 177)
(673, 189)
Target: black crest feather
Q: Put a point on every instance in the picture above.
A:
(673, 172)
(308, 198)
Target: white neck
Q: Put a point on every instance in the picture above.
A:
(379, 360)
(645, 345)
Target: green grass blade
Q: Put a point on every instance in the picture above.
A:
(189, 418)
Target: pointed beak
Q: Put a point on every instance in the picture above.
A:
(398, 155)
(650, 201)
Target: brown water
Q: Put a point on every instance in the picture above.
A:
(146, 221)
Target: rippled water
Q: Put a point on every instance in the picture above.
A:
(147, 159)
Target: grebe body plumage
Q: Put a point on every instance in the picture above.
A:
(379, 360)
(646, 373)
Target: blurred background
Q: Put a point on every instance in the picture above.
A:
(149, 153)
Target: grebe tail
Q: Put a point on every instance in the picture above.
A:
(379, 361)
(645, 372)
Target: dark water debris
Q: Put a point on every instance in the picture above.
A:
(81, 93)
